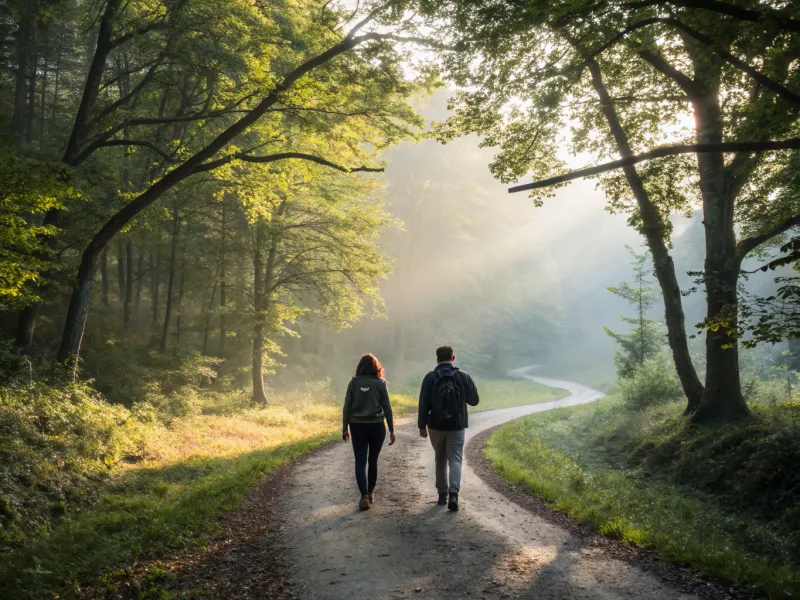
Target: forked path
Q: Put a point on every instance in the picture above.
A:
(407, 546)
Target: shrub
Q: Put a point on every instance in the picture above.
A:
(653, 382)
(169, 382)
(56, 444)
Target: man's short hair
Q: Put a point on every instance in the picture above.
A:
(444, 353)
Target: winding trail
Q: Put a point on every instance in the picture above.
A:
(406, 546)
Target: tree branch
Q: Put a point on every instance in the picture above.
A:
(137, 32)
(749, 244)
(732, 10)
(765, 146)
(282, 156)
(687, 84)
(143, 143)
(120, 101)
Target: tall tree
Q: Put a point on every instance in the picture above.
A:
(635, 97)
(373, 97)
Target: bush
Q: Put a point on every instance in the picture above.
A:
(169, 382)
(653, 382)
(56, 444)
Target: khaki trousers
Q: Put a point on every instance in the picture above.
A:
(448, 447)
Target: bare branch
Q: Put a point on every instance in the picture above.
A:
(766, 146)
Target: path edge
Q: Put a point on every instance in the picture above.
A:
(678, 577)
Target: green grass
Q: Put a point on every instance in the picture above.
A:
(499, 392)
(201, 468)
(142, 514)
(198, 468)
(651, 479)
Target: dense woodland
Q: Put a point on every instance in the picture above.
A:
(204, 203)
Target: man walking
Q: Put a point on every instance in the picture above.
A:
(443, 400)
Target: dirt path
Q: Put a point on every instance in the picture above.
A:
(407, 546)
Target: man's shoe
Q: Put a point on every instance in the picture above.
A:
(442, 499)
(453, 503)
(364, 502)
(371, 497)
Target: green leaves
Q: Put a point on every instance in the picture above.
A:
(28, 189)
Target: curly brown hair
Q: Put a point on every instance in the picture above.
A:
(369, 365)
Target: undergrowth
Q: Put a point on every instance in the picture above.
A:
(88, 487)
(720, 499)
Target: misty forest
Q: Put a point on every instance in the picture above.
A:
(211, 209)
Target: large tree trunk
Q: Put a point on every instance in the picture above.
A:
(653, 230)
(79, 129)
(79, 307)
(259, 395)
(171, 282)
(126, 318)
(722, 398)
(104, 275)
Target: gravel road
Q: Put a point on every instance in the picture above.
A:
(407, 546)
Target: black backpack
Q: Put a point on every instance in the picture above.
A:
(447, 400)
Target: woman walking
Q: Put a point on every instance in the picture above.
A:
(366, 405)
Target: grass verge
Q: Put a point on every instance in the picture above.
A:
(197, 468)
(717, 500)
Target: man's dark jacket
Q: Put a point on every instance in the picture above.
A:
(469, 396)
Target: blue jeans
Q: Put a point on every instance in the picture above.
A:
(367, 441)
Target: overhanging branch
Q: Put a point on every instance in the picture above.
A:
(749, 244)
(685, 82)
(725, 8)
(767, 146)
(214, 164)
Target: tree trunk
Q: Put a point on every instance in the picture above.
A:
(24, 42)
(179, 314)
(208, 318)
(653, 231)
(222, 332)
(171, 282)
(259, 395)
(121, 268)
(104, 275)
(43, 99)
(139, 281)
(56, 82)
(154, 286)
(722, 399)
(30, 115)
(78, 310)
(126, 318)
(26, 325)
